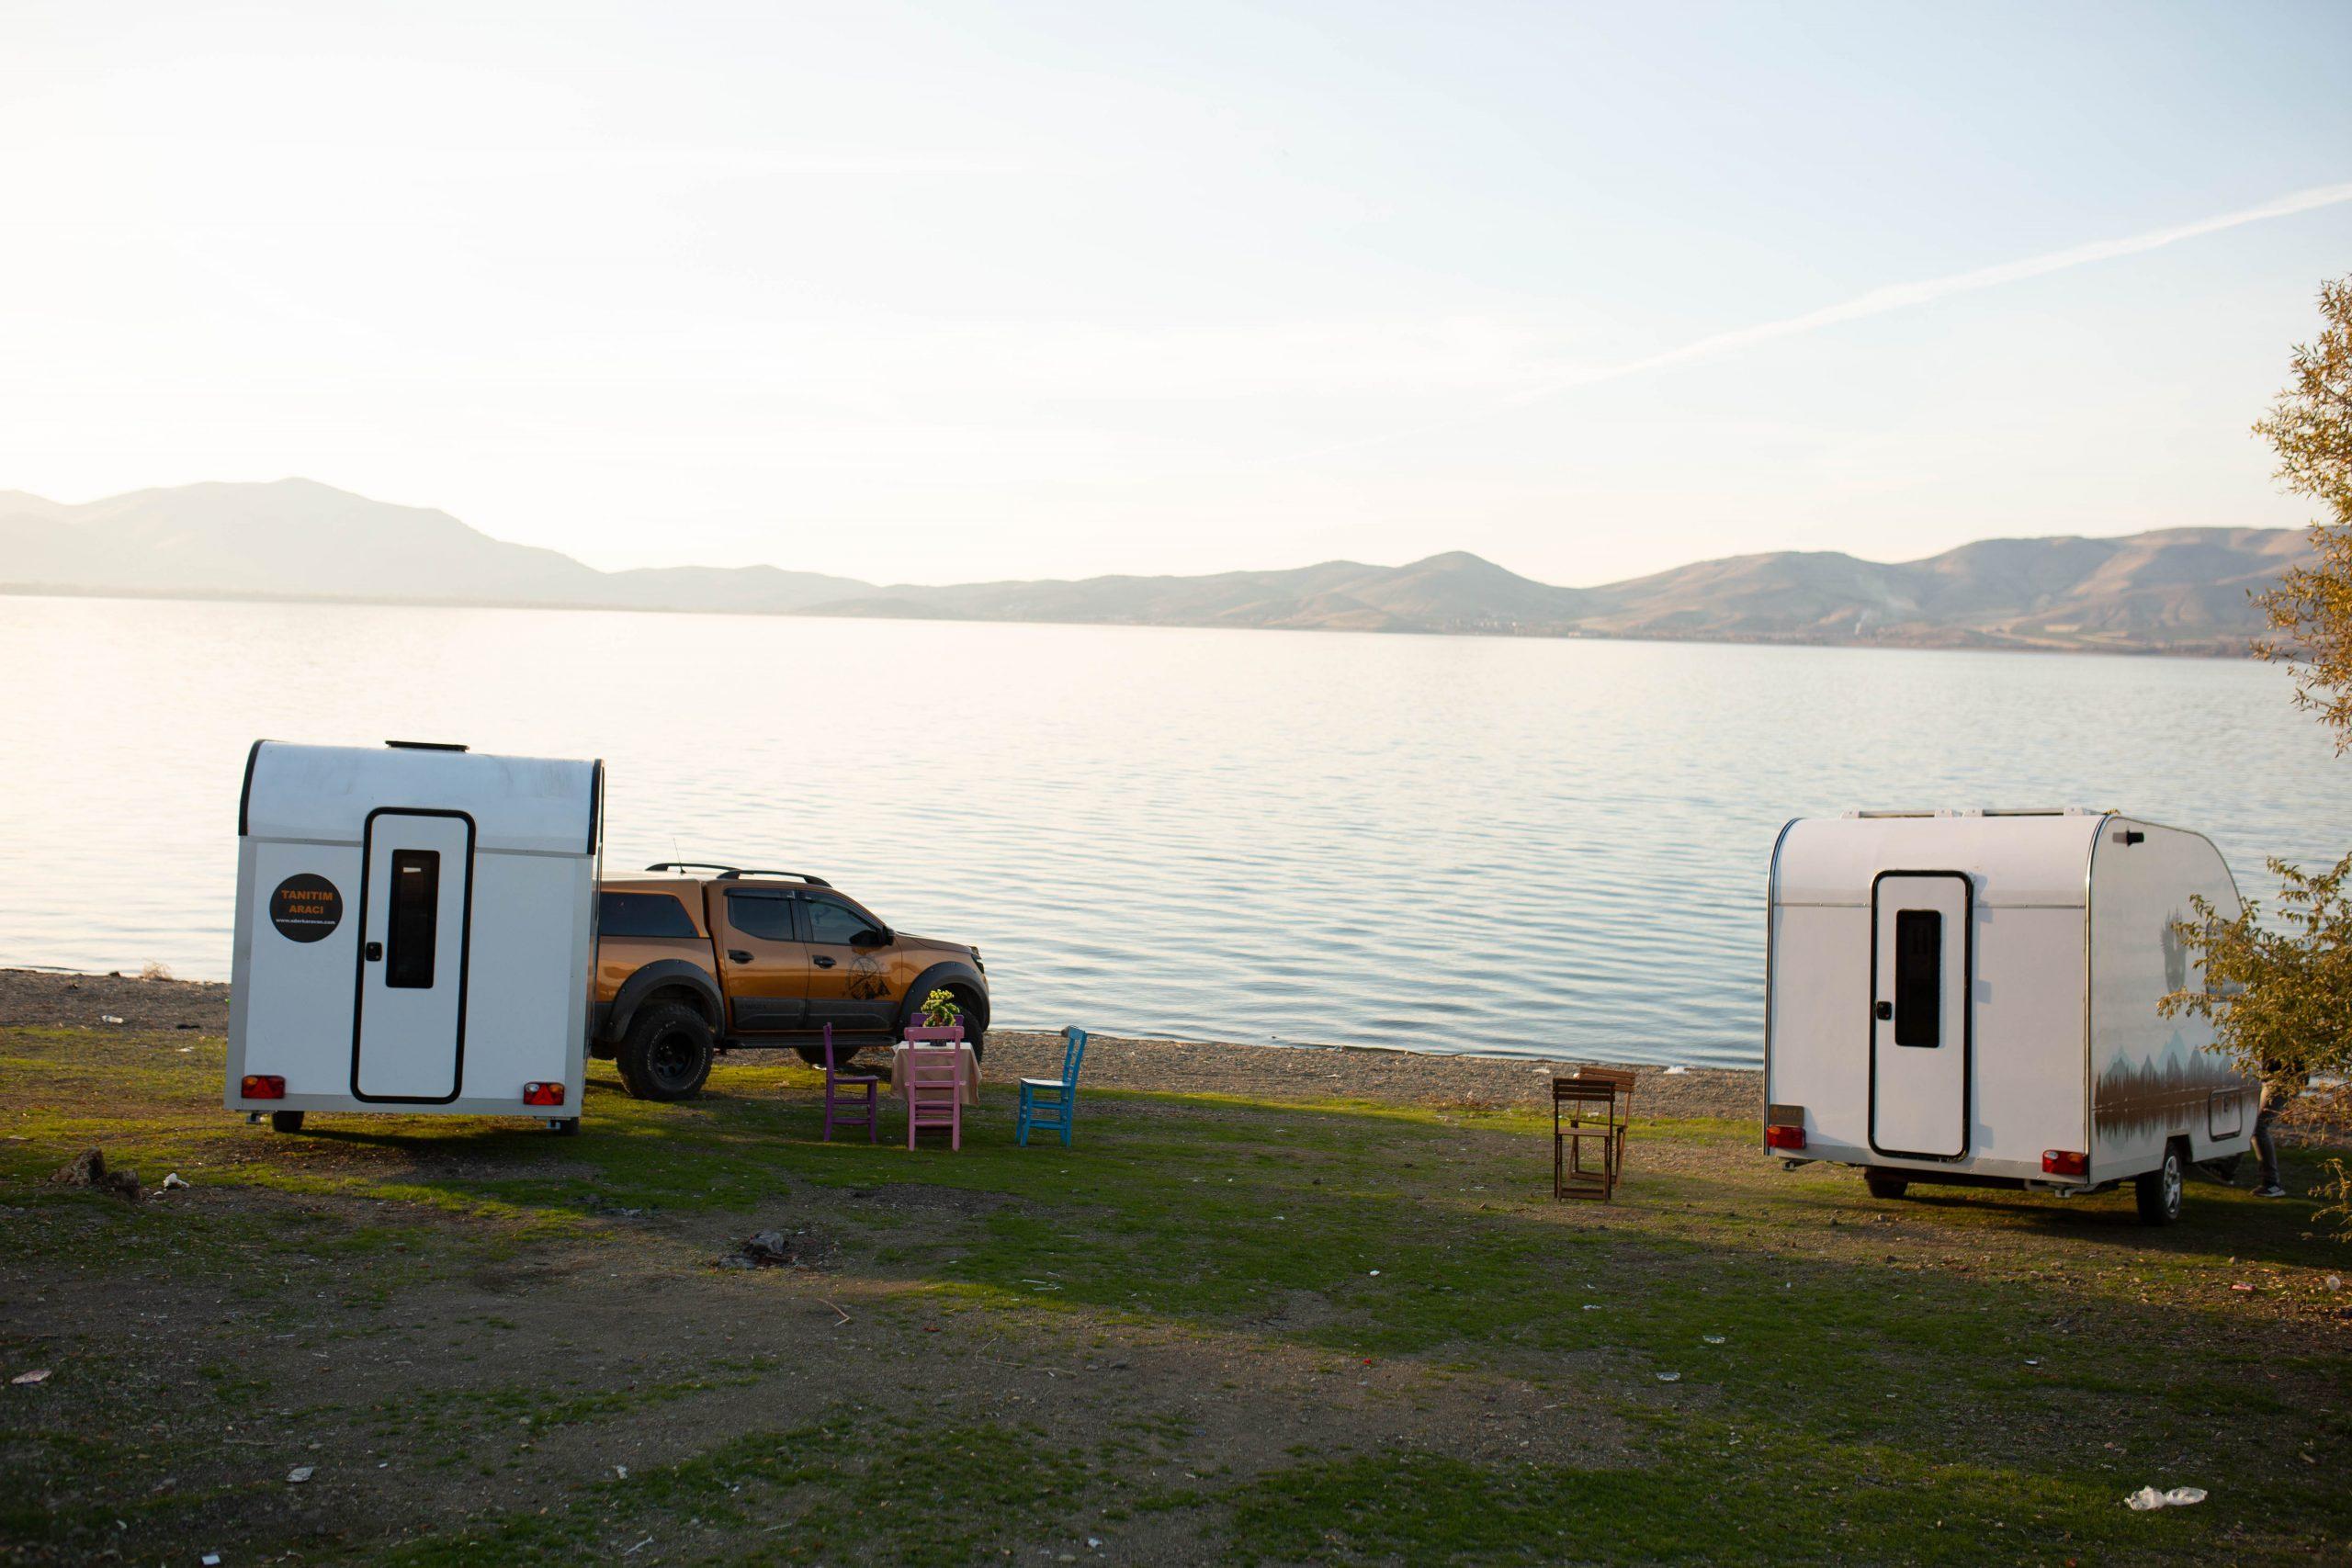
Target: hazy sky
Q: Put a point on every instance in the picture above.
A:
(959, 290)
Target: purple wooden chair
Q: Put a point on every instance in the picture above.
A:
(934, 1091)
(843, 1101)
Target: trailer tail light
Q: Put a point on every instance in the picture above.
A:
(2065, 1162)
(263, 1086)
(543, 1094)
(1784, 1138)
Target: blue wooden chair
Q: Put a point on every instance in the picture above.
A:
(1053, 1102)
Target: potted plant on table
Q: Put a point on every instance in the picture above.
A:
(942, 1010)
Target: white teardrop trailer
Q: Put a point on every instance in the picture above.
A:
(415, 933)
(1970, 997)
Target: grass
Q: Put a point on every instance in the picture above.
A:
(1367, 1333)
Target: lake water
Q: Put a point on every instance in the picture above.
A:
(1550, 847)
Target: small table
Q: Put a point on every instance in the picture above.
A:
(971, 1064)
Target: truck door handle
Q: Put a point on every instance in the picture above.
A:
(373, 953)
(823, 963)
(737, 955)
(1884, 1012)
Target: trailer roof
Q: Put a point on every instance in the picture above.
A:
(538, 804)
(2039, 858)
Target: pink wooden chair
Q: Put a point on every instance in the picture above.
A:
(934, 1091)
(849, 1097)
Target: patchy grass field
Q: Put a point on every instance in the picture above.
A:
(1217, 1328)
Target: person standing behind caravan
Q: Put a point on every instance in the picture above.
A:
(2280, 1086)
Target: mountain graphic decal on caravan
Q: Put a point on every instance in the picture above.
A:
(2145, 1097)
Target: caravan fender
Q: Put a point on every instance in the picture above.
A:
(663, 974)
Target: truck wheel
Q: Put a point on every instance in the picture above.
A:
(666, 1054)
(286, 1121)
(2158, 1191)
(1884, 1185)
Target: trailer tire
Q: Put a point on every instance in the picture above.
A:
(2158, 1191)
(286, 1121)
(565, 1127)
(1883, 1185)
(666, 1054)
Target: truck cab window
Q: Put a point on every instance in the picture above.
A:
(838, 925)
(762, 914)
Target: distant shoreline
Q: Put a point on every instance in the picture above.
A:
(1957, 642)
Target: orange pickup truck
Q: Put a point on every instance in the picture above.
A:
(693, 959)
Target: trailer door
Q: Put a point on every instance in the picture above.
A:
(1920, 987)
(415, 907)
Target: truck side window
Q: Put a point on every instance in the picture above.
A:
(838, 924)
(758, 915)
(410, 934)
(642, 914)
(1919, 976)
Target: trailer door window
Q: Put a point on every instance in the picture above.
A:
(1919, 976)
(415, 916)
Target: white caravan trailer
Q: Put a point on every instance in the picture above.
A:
(415, 933)
(1970, 997)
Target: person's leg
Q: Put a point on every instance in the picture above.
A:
(2265, 1153)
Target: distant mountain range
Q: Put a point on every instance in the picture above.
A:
(2173, 591)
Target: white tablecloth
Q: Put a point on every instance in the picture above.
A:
(971, 1068)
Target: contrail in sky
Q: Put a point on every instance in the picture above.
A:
(1877, 302)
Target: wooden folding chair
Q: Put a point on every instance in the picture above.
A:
(1583, 1113)
(1620, 1079)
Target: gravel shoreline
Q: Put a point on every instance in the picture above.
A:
(47, 998)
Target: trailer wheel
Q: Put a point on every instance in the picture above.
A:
(2158, 1191)
(667, 1052)
(286, 1121)
(1883, 1185)
(565, 1126)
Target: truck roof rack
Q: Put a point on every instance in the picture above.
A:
(760, 871)
(734, 874)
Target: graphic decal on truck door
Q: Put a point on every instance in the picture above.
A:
(1921, 1022)
(416, 883)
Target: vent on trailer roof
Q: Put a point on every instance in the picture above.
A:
(1988, 811)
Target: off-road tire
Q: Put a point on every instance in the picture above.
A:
(666, 1054)
(1883, 1185)
(2158, 1191)
(286, 1121)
